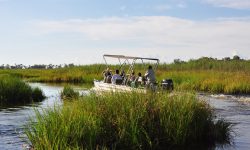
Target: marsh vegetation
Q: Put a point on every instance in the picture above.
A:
(68, 93)
(230, 76)
(132, 121)
(14, 91)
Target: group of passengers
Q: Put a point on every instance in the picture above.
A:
(132, 79)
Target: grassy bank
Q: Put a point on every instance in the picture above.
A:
(204, 74)
(128, 121)
(209, 75)
(210, 81)
(13, 91)
(77, 74)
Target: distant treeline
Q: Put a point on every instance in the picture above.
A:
(36, 66)
(209, 63)
(201, 63)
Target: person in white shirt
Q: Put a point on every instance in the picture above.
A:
(140, 80)
(115, 77)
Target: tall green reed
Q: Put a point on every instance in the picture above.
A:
(69, 93)
(132, 121)
(13, 91)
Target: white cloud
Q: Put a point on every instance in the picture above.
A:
(163, 36)
(114, 27)
(238, 4)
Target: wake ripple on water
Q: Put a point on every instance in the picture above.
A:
(240, 98)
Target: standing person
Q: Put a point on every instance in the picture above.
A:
(150, 76)
(115, 77)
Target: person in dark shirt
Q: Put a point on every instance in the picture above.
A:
(107, 75)
(150, 75)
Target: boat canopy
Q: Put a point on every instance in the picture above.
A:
(125, 60)
(129, 57)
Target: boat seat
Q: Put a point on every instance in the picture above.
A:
(118, 81)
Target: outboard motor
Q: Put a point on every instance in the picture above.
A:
(167, 84)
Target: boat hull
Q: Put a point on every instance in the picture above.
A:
(100, 86)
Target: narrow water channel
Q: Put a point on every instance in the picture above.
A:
(12, 120)
(233, 109)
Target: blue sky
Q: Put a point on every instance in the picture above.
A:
(81, 31)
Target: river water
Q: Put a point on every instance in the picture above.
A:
(233, 109)
(12, 120)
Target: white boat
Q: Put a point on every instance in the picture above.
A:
(100, 86)
(127, 61)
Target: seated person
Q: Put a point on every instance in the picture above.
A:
(132, 77)
(123, 74)
(108, 79)
(115, 77)
(140, 80)
(107, 75)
